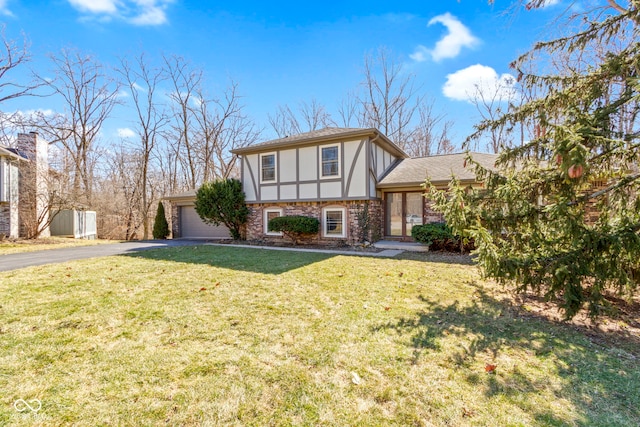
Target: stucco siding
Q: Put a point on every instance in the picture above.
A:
(309, 191)
(288, 192)
(287, 166)
(308, 163)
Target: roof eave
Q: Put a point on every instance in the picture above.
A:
(316, 139)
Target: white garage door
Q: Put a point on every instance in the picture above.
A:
(191, 226)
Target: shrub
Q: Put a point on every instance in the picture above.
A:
(223, 202)
(440, 237)
(295, 227)
(160, 225)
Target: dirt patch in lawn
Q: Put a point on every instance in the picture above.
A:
(620, 328)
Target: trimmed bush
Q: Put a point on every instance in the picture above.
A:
(160, 225)
(223, 202)
(439, 237)
(295, 227)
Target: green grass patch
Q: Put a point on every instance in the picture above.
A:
(231, 336)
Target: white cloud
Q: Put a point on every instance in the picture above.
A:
(136, 12)
(44, 112)
(4, 10)
(465, 84)
(126, 133)
(95, 6)
(457, 37)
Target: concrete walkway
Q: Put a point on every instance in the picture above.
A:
(388, 253)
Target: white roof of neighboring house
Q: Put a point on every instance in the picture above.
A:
(11, 152)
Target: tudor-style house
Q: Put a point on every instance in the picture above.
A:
(333, 174)
(330, 174)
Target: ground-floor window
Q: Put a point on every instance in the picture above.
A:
(334, 222)
(269, 214)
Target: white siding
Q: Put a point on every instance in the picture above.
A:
(288, 192)
(358, 184)
(250, 167)
(309, 191)
(331, 190)
(308, 166)
(269, 192)
(287, 166)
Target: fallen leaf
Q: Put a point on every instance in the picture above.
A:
(217, 284)
(490, 369)
(203, 289)
(400, 274)
(355, 378)
(387, 308)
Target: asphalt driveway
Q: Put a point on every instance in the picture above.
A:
(15, 261)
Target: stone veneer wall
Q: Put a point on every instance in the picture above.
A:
(255, 224)
(5, 219)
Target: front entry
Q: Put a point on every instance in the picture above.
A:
(402, 212)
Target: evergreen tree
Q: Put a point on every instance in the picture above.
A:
(560, 213)
(223, 202)
(160, 225)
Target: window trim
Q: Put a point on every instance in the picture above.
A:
(339, 174)
(343, 211)
(275, 167)
(265, 221)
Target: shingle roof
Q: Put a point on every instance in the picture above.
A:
(411, 172)
(319, 135)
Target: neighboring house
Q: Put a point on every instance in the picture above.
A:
(9, 218)
(336, 175)
(27, 187)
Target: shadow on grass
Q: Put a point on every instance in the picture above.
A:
(254, 260)
(600, 377)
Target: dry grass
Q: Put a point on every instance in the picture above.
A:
(32, 245)
(229, 336)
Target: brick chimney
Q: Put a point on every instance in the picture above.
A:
(34, 184)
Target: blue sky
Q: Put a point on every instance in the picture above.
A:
(285, 52)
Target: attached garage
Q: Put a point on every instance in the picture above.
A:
(191, 226)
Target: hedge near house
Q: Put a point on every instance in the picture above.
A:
(440, 237)
(295, 227)
(223, 202)
(160, 225)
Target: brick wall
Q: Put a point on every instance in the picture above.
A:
(256, 226)
(431, 216)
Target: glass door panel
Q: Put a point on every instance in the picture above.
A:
(413, 212)
(394, 214)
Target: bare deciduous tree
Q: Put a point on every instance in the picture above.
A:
(14, 56)
(89, 95)
(142, 81)
(431, 135)
(309, 116)
(389, 98)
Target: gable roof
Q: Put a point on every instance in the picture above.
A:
(440, 168)
(321, 135)
(11, 152)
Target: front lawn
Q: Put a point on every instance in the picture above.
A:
(31, 245)
(232, 336)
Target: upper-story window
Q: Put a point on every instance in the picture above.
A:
(330, 166)
(268, 167)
